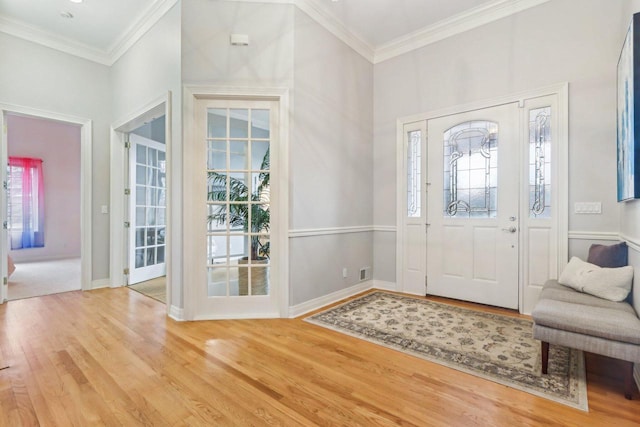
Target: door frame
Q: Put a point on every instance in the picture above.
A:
(118, 256)
(86, 144)
(191, 94)
(561, 90)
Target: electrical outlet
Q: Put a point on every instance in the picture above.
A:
(345, 273)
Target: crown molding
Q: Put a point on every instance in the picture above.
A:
(457, 24)
(330, 23)
(53, 41)
(105, 57)
(139, 28)
(468, 20)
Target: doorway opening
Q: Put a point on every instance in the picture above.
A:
(56, 201)
(43, 206)
(140, 176)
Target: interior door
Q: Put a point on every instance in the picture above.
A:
(147, 228)
(234, 213)
(473, 202)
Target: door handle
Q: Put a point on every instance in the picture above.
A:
(510, 229)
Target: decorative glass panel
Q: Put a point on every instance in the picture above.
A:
(471, 170)
(413, 174)
(238, 209)
(540, 163)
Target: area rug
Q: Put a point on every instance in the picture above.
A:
(154, 288)
(495, 347)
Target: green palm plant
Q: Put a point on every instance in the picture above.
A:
(238, 213)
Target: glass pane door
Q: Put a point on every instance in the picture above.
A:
(238, 202)
(148, 209)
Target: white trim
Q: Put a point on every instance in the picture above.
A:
(337, 28)
(307, 232)
(100, 283)
(385, 228)
(316, 303)
(593, 235)
(384, 286)
(86, 165)
(194, 92)
(118, 167)
(465, 21)
(492, 102)
(449, 27)
(109, 56)
(176, 313)
(633, 243)
(150, 17)
(53, 41)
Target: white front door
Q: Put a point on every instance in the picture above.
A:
(234, 212)
(147, 228)
(473, 206)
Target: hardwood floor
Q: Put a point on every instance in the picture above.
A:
(111, 357)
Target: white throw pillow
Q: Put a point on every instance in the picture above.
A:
(613, 284)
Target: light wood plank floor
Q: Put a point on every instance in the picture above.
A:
(111, 357)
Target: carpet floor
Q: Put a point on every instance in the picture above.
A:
(495, 347)
(32, 279)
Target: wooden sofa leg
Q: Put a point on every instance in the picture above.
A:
(629, 382)
(545, 356)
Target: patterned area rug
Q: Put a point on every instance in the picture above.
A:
(494, 347)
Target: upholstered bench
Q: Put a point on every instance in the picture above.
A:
(566, 317)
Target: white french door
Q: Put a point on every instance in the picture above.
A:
(147, 229)
(473, 206)
(234, 212)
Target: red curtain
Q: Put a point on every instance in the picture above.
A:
(32, 233)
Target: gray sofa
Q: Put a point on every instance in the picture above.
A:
(573, 319)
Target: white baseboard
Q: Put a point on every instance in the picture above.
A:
(316, 303)
(100, 283)
(176, 313)
(384, 286)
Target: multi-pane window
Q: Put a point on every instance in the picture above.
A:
(471, 170)
(238, 203)
(150, 219)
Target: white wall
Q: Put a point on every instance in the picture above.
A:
(150, 69)
(58, 145)
(38, 77)
(551, 43)
(331, 161)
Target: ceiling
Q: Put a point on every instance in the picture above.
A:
(103, 26)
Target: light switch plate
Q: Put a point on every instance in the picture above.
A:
(588, 208)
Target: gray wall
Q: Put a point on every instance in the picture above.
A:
(38, 77)
(148, 70)
(331, 161)
(548, 44)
